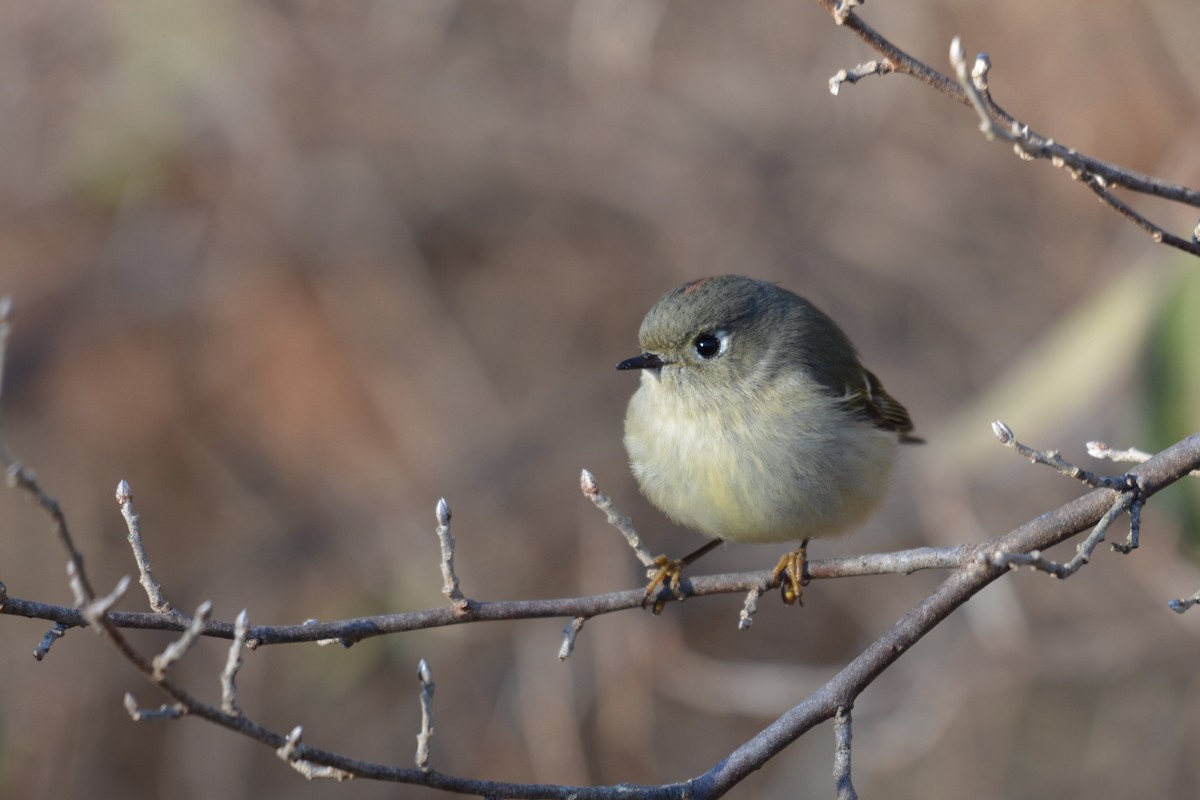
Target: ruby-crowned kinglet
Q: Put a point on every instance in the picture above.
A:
(756, 422)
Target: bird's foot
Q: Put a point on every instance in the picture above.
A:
(789, 575)
(665, 583)
(667, 579)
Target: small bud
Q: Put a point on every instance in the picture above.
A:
(957, 56)
(1002, 431)
(587, 482)
(443, 512)
(423, 673)
(983, 64)
(124, 493)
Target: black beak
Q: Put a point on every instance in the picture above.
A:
(644, 361)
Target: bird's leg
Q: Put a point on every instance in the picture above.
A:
(789, 574)
(669, 573)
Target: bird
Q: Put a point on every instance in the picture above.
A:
(755, 421)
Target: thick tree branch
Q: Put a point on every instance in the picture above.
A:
(1044, 532)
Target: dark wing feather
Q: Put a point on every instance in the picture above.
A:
(871, 402)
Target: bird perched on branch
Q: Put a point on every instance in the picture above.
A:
(755, 421)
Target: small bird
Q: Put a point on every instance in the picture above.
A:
(755, 421)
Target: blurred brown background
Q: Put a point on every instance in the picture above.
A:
(296, 270)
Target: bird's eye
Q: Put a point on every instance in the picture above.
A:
(710, 345)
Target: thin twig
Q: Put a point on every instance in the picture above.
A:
(178, 648)
(1131, 455)
(1135, 525)
(587, 484)
(449, 579)
(1130, 499)
(1054, 460)
(165, 711)
(750, 606)
(1182, 604)
(233, 663)
(288, 752)
(842, 9)
(94, 609)
(841, 755)
(856, 74)
(569, 635)
(153, 591)
(52, 636)
(6, 307)
(1083, 551)
(974, 94)
(425, 736)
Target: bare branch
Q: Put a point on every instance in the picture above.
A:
(425, 737)
(52, 636)
(178, 648)
(349, 631)
(856, 74)
(311, 771)
(750, 606)
(173, 711)
(6, 306)
(841, 755)
(1083, 552)
(233, 663)
(1182, 604)
(1039, 534)
(94, 609)
(1054, 460)
(569, 633)
(842, 9)
(449, 579)
(1135, 525)
(1099, 176)
(153, 591)
(1129, 456)
(974, 94)
(587, 483)
(1130, 500)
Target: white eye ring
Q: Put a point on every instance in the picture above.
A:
(710, 345)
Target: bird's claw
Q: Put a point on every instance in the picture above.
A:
(789, 575)
(669, 573)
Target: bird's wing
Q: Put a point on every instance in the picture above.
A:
(871, 402)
